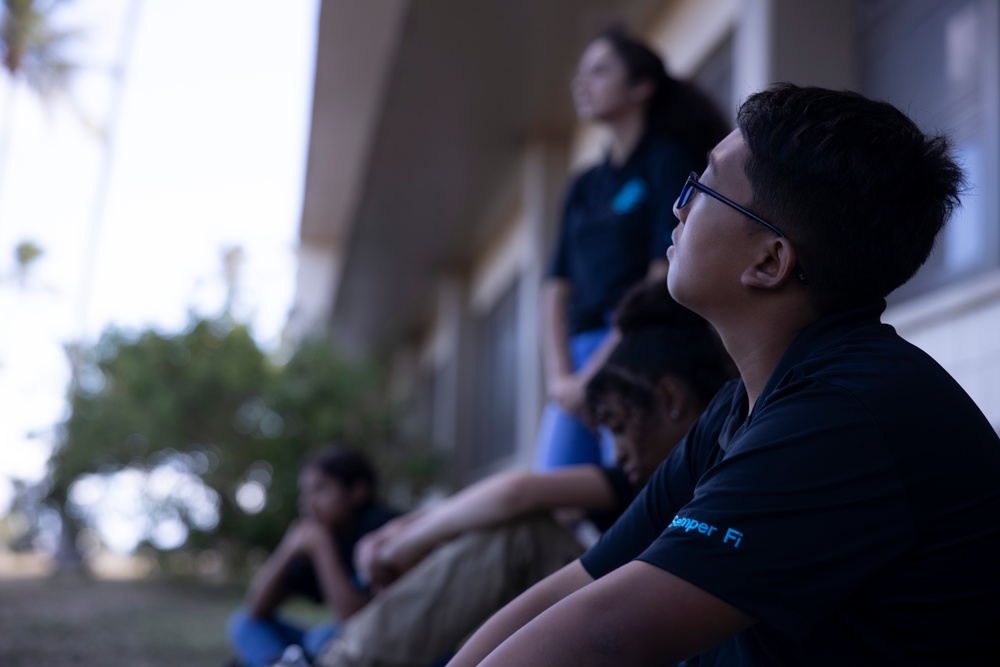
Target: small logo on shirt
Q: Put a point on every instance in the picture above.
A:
(630, 196)
(731, 537)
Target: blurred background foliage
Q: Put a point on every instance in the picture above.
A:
(210, 432)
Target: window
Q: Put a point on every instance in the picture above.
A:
(715, 78)
(937, 61)
(495, 381)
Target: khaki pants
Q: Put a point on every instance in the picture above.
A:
(423, 616)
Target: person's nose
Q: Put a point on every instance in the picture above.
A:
(679, 213)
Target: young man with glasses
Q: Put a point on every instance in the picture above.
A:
(839, 504)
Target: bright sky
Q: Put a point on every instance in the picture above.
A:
(209, 153)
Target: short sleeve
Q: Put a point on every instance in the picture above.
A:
(671, 487)
(795, 517)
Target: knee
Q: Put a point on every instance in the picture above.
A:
(237, 624)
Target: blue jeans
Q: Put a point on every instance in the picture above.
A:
(564, 440)
(258, 642)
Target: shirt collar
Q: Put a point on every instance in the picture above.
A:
(829, 328)
(640, 148)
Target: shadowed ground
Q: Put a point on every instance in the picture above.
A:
(57, 622)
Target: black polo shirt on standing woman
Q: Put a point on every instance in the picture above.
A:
(616, 220)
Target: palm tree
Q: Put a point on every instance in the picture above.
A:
(32, 51)
(26, 253)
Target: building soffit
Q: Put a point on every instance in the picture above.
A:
(468, 85)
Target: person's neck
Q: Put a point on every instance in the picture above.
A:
(626, 132)
(756, 344)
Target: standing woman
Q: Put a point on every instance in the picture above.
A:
(616, 224)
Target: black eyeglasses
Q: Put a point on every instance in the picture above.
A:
(692, 184)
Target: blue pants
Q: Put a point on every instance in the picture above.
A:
(259, 642)
(564, 440)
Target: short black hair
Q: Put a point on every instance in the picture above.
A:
(348, 466)
(659, 337)
(859, 189)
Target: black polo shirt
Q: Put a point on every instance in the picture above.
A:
(622, 491)
(616, 220)
(855, 513)
(300, 577)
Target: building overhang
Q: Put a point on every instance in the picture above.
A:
(421, 113)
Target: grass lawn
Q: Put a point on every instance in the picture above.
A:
(57, 622)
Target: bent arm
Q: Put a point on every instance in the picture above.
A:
(367, 554)
(520, 612)
(657, 271)
(597, 358)
(311, 540)
(495, 500)
(637, 615)
(341, 595)
(555, 330)
(267, 588)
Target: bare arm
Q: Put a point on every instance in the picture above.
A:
(494, 500)
(596, 360)
(267, 588)
(637, 615)
(564, 385)
(520, 612)
(308, 538)
(372, 569)
(341, 595)
(657, 271)
(555, 330)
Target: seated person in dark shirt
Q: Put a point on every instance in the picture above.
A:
(315, 558)
(466, 557)
(839, 504)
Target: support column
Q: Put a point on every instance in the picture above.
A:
(544, 177)
(807, 42)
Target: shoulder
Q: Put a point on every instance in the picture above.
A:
(874, 367)
(868, 397)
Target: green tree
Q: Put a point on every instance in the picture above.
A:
(208, 402)
(34, 55)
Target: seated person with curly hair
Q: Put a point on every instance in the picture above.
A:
(445, 570)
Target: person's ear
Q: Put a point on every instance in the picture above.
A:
(773, 265)
(671, 399)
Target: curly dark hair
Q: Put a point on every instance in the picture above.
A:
(659, 337)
